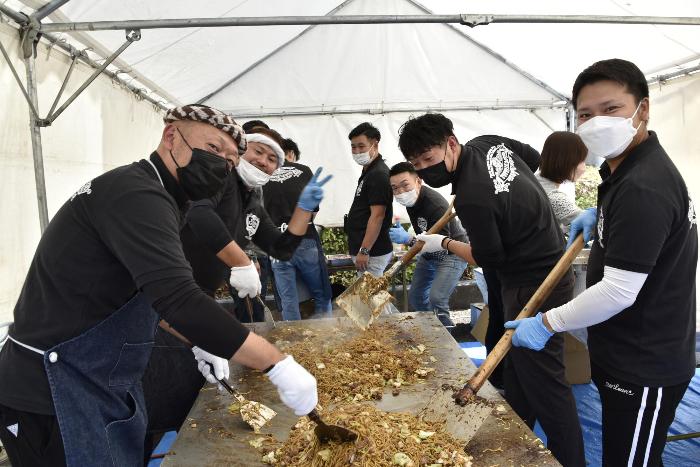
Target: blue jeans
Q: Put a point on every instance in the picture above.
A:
(434, 280)
(376, 264)
(305, 262)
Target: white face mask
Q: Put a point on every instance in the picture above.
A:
(251, 175)
(363, 158)
(608, 137)
(407, 198)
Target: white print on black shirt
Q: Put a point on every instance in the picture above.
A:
(422, 223)
(691, 212)
(251, 225)
(14, 429)
(85, 189)
(359, 188)
(616, 387)
(600, 227)
(499, 161)
(285, 173)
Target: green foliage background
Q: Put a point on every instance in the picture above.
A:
(587, 188)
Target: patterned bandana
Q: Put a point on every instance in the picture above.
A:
(214, 117)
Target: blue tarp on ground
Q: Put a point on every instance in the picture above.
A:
(684, 453)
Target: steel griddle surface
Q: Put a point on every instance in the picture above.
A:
(211, 436)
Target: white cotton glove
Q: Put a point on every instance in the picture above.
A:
(433, 242)
(221, 370)
(295, 385)
(246, 280)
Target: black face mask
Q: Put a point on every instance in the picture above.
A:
(204, 176)
(436, 175)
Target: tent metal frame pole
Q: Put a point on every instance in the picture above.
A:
(381, 111)
(37, 152)
(464, 19)
(73, 60)
(131, 37)
(47, 9)
(22, 21)
(676, 74)
(32, 107)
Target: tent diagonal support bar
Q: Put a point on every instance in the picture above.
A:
(47, 9)
(63, 85)
(19, 82)
(544, 122)
(131, 37)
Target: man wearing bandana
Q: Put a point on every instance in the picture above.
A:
(217, 239)
(107, 270)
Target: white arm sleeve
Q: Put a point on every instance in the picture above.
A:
(618, 290)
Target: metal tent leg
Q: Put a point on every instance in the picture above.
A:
(35, 131)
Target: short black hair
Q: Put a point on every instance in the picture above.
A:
(614, 69)
(289, 145)
(250, 124)
(419, 134)
(402, 167)
(367, 129)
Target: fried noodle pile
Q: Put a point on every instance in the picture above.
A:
(384, 439)
(362, 367)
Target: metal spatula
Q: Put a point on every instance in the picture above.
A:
(253, 413)
(325, 432)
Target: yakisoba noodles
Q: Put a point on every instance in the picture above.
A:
(384, 439)
(363, 366)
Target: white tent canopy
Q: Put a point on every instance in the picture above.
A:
(315, 83)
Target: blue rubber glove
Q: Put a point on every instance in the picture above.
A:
(312, 194)
(529, 332)
(398, 234)
(585, 221)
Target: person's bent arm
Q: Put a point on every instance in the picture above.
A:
(299, 222)
(437, 242)
(233, 255)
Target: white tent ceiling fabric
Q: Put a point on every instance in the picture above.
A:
(191, 63)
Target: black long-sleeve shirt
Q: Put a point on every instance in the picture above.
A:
(116, 236)
(508, 217)
(235, 214)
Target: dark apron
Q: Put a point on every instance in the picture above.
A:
(95, 382)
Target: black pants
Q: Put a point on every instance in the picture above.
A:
(495, 329)
(635, 419)
(535, 384)
(171, 384)
(31, 439)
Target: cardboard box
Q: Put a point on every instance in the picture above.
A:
(576, 359)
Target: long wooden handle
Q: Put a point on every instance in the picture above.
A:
(418, 246)
(535, 302)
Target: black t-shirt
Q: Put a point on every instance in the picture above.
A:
(429, 207)
(508, 217)
(235, 214)
(117, 235)
(646, 223)
(373, 189)
(282, 192)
